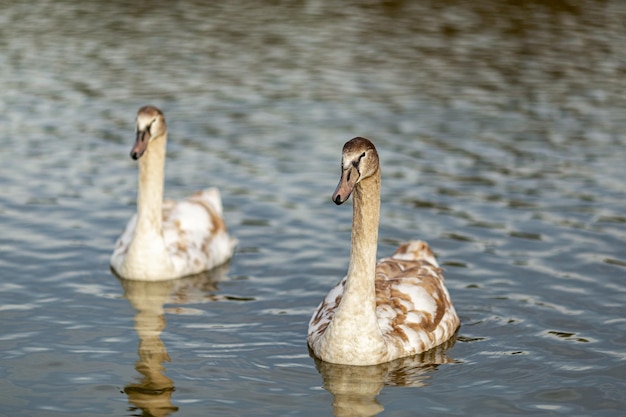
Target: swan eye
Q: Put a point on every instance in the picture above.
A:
(358, 161)
(150, 127)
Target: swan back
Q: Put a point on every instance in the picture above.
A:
(195, 233)
(414, 309)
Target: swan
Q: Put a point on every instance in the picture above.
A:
(168, 239)
(385, 310)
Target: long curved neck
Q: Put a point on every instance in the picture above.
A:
(354, 331)
(147, 255)
(150, 192)
(362, 269)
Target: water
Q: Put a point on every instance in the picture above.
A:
(501, 130)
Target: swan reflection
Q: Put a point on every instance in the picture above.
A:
(152, 393)
(355, 388)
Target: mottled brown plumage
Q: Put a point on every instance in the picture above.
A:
(396, 307)
(168, 239)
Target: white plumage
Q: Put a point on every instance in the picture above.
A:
(381, 311)
(168, 239)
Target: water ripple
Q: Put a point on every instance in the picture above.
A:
(500, 128)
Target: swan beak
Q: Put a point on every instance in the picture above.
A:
(349, 178)
(141, 144)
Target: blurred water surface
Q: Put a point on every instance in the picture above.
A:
(501, 129)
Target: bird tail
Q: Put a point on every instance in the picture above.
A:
(415, 250)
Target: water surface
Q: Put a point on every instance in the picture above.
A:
(501, 130)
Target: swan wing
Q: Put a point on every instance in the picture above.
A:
(122, 243)
(414, 309)
(195, 233)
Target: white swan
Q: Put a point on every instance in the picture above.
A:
(168, 239)
(380, 311)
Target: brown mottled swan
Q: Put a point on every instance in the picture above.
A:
(381, 311)
(168, 239)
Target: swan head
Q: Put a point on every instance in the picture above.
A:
(150, 125)
(359, 160)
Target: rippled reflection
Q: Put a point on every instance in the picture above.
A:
(355, 388)
(153, 392)
(501, 130)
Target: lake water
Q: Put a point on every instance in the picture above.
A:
(502, 133)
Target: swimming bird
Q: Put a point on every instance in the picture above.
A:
(381, 311)
(168, 239)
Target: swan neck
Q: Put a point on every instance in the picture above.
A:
(366, 216)
(354, 332)
(147, 257)
(150, 190)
